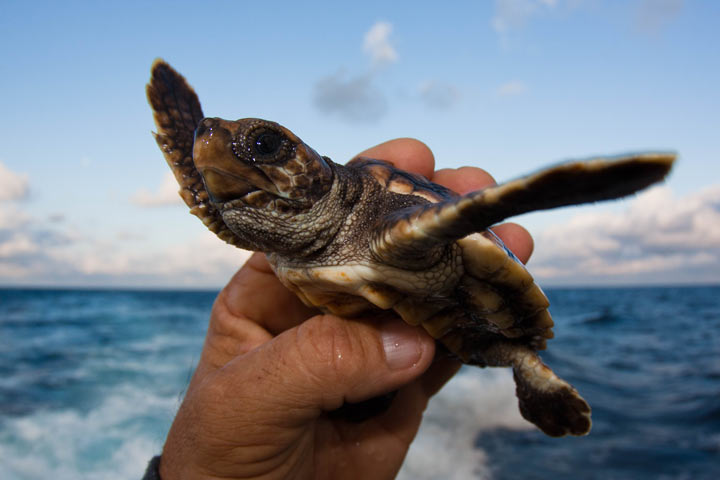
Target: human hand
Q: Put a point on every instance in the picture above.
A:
(271, 369)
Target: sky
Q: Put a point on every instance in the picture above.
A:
(86, 198)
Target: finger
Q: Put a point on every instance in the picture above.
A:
(405, 413)
(249, 311)
(276, 390)
(255, 293)
(516, 238)
(464, 179)
(406, 154)
(228, 337)
(325, 362)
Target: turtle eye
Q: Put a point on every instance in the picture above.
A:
(267, 143)
(261, 144)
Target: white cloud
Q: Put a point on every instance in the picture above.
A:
(166, 194)
(34, 256)
(352, 98)
(12, 217)
(355, 98)
(377, 44)
(27, 248)
(13, 186)
(659, 237)
(204, 260)
(514, 14)
(46, 251)
(512, 88)
(21, 244)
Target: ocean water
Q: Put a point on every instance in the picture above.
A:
(90, 381)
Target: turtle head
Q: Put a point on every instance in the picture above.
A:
(260, 164)
(263, 180)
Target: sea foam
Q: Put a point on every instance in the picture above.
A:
(113, 440)
(472, 402)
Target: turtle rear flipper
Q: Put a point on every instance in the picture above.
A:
(544, 399)
(411, 233)
(548, 401)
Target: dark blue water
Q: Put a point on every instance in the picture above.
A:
(90, 380)
(648, 361)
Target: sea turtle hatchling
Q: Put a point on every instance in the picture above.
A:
(367, 235)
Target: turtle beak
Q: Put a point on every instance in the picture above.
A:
(226, 178)
(215, 162)
(210, 146)
(222, 187)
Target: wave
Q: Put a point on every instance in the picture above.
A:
(113, 440)
(116, 438)
(80, 396)
(473, 402)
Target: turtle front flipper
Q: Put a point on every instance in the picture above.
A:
(544, 399)
(412, 232)
(177, 112)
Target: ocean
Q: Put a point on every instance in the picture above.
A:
(90, 381)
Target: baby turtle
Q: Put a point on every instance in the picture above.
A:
(366, 235)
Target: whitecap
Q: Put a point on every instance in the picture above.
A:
(472, 402)
(113, 440)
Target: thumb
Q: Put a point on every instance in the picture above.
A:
(326, 361)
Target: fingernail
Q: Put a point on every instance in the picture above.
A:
(401, 343)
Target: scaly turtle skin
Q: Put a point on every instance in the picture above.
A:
(364, 236)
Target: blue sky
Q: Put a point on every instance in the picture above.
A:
(508, 85)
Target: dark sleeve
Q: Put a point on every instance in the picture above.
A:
(153, 469)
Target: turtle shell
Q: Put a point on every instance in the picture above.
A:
(492, 293)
